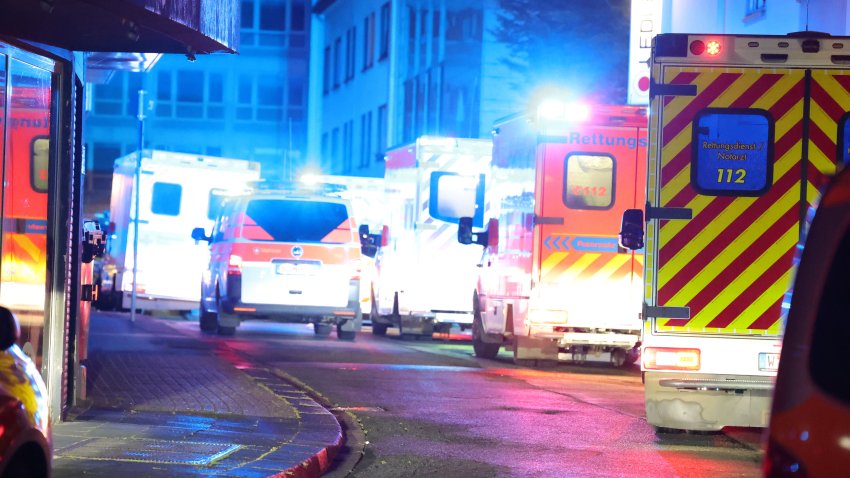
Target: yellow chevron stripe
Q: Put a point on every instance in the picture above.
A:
(612, 266)
(578, 266)
(765, 301)
(827, 80)
(727, 255)
(746, 279)
(33, 251)
(551, 262)
(698, 204)
(778, 90)
(679, 103)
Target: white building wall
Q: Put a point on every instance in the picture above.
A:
(366, 92)
(780, 17)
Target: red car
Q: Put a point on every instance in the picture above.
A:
(25, 434)
(809, 433)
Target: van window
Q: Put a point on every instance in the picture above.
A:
(214, 202)
(831, 333)
(732, 152)
(454, 196)
(166, 199)
(286, 220)
(589, 181)
(39, 163)
(844, 139)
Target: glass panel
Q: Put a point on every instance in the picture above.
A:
(733, 152)
(190, 86)
(296, 221)
(23, 263)
(589, 182)
(247, 14)
(273, 15)
(166, 199)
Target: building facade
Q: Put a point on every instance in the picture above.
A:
(249, 106)
(385, 72)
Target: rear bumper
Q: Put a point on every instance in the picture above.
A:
(707, 401)
(233, 305)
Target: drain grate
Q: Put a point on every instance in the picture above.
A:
(152, 451)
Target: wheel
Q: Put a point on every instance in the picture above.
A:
(224, 330)
(345, 334)
(379, 329)
(482, 349)
(322, 330)
(208, 321)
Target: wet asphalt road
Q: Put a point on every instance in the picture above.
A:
(430, 408)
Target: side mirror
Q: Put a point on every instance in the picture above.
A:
(464, 230)
(198, 234)
(631, 229)
(10, 330)
(488, 238)
(363, 231)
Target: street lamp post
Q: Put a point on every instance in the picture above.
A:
(138, 176)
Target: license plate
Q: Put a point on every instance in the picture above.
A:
(768, 362)
(290, 268)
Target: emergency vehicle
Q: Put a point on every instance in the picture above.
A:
(743, 133)
(423, 275)
(282, 254)
(366, 196)
(24, 249)
(553, 282)
(177, 191)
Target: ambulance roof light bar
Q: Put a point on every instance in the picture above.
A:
(553, 109)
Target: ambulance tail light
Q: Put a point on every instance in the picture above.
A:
(709, 47)
(663, 358)
(234, 265)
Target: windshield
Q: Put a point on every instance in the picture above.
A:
(286, 220)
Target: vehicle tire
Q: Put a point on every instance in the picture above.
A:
(207, 321)
(379, 329)
(322, 330)
(482, 349)
(224, 330)
(347, 335)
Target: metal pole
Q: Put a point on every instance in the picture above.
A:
(138, 176)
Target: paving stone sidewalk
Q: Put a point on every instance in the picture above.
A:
(162, 403)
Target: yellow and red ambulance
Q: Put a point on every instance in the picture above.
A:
(743, 132)
(553, 282)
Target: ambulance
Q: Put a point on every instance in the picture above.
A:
(422, 274)
(744, 131)
(553, 282)
(176, 192)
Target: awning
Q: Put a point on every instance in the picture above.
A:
(189, 27)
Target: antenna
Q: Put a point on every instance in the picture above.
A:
(807, 14)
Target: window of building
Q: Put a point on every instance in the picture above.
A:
(347, 146)
(334, 157)
(298, 21)
(247, 14)
(385, 31)
(755, 8)
(407, 125)
(108, 98)
(134, 84)
(350, 51)
(190, 94)
(337, 54)
(365, 139)
(164, 95)
(165, 198)
(326, 78)
(381, 131)
(273, 15)
(732, 152)
(104, 155)
(368, 41)
(245, 98)
(215, 96)
(270, 99)
(589, 181)
(296, 91)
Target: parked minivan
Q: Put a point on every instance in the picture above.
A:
(809, 434)
(282, 256)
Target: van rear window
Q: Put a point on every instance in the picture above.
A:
(284, 220)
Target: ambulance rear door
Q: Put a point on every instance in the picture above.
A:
(747, 133)
(589, 176)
